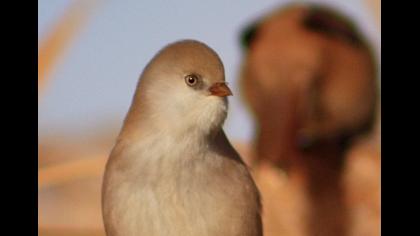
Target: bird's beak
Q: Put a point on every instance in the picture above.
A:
(220, 89)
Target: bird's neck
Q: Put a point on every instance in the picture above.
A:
(157, 139)
(193, 126)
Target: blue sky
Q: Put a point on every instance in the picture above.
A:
(94, 82)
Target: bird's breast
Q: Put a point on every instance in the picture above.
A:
(196, 196)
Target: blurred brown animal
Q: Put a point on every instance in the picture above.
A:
(361, 179)
(309, 78)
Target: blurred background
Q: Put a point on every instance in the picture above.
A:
(92, 52)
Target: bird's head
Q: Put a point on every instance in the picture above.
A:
(183, 88)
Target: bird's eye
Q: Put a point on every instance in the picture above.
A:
(191, 80)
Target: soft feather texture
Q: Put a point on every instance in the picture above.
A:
(172, 170)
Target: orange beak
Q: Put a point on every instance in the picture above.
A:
(220, 89)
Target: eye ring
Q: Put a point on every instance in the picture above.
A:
(191, 80)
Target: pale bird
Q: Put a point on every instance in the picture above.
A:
(172, 170)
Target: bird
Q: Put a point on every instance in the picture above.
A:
(309, 79)
(173, 170)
